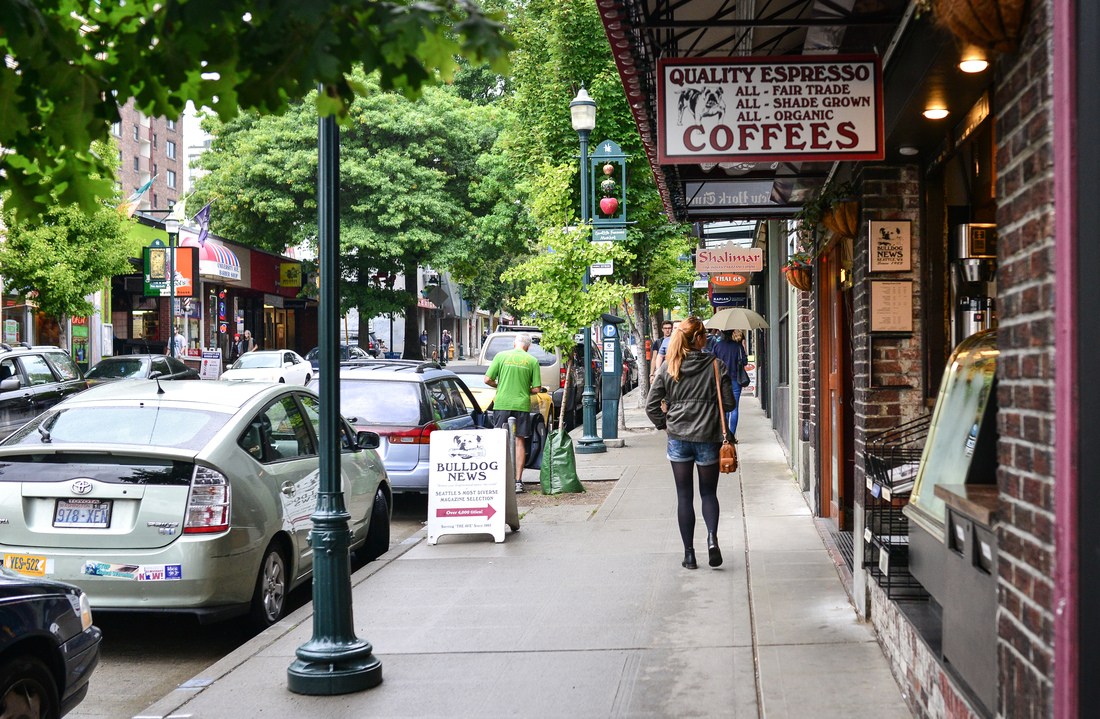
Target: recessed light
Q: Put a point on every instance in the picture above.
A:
(974, 64)
(936, 113)
(908, 150)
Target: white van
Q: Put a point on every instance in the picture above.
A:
(553, 375)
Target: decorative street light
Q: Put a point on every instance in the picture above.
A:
(334, 660)
(172, 227)
(583, 113)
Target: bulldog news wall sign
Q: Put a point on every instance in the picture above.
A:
(808, 108)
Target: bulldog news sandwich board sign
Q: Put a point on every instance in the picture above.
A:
(811, 108)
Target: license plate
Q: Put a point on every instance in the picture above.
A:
(86, 513)
(27, 564)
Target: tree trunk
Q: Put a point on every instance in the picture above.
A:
(412, 348)
(644, 323)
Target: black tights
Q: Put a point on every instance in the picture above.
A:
(685, 499)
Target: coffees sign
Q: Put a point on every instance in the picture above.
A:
(810, 108)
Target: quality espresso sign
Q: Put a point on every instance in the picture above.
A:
(811, 108)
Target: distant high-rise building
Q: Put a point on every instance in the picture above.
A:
(150, 148)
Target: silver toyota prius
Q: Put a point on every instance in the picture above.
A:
(182, 496)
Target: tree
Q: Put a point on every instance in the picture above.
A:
(409, 182)
(67, 254)
(69, 61)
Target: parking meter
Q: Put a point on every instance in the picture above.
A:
(612, 374)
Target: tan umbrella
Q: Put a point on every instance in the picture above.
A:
(736, 318)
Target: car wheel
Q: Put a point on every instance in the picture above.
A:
(378, 534)
(535, 444)
(269, 599)
(27, 689)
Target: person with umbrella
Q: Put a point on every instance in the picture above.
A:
(730, 348)
(732, 321)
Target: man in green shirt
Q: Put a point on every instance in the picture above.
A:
(516, 375)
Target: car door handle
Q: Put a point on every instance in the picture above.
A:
(287, 489)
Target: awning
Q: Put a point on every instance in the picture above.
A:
(215, 260)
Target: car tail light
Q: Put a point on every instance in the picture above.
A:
(416, 435)
(562, 373)
(208, 502)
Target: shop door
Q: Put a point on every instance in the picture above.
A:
(834, 399)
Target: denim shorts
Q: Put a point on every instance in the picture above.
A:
(702, 453)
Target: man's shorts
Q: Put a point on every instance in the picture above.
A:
(523, 421)
(703, 454)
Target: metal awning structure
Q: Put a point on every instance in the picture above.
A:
(642, 32)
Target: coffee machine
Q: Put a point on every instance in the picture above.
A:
(973, 279)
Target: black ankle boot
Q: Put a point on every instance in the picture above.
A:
(689, 559)
(712, 548)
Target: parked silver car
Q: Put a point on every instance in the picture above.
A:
(185, 496)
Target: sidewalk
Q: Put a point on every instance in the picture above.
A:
(588, 613)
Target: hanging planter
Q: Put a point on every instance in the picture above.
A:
(842, 218)
(994, 24)
(799, 277)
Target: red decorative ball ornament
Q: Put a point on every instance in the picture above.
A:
(608, 169)
(609, 205)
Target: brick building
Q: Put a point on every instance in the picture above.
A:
(971, 550)
(150, 148)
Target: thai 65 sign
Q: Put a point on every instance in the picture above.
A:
(729, 258)
(810, 108)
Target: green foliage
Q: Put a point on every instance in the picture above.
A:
(412, 191)
(555, 295)
(66, 56)
(65, 256)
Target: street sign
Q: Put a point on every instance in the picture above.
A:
(701, 282)
(467, 483)
(608, 234)
(601, 269)
(729, 258)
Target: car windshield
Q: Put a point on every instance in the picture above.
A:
(381, 402)
(259, 360)
(118, 369)
(140, 424)
(474, 381)
(501, 343)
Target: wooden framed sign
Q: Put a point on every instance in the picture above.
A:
(891, 305)
(890, 249)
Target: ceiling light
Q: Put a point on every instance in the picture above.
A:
(908, 150)
(974, 64)
(936, 113)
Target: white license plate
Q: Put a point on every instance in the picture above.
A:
(86, 513)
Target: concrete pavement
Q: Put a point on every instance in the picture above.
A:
(586, 612)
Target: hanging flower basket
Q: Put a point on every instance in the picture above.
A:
(799, 277)
(993, 24)
(842, 218)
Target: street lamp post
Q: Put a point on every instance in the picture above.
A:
(172, 227)
(583, 114)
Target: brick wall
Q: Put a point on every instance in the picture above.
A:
(1025, 371)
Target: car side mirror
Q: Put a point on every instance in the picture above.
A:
(155, 374)
(9, 384)
(367, 440)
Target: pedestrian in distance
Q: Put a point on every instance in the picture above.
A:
(660, 347)
(731, 350)
(176, 345)
(246, 343)
(686, 384)
(516, 375)
(424, 343)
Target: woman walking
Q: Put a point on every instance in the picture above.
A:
(684, 401)
(731, 350)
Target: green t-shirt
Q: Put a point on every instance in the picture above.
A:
(516, 373)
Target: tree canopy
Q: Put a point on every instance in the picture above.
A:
(71, 62)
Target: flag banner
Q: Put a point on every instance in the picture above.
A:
(202, 219)
(131, 204)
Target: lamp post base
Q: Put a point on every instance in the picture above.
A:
(349, 669)
(589, 445)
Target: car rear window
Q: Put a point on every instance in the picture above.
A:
(501, 343)
(381, 402)
(141, 425)
(116, 369)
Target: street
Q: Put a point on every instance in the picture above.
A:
(145, 656)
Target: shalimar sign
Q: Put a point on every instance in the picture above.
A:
(729, 258)
(809, 108)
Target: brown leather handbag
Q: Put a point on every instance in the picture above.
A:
(727, 453)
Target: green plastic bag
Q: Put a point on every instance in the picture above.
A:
(559, 465)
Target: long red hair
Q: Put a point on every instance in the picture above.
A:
(684, 338)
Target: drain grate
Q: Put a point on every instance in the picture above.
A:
(844, 543)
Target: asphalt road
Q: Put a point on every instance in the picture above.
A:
(145, 657)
